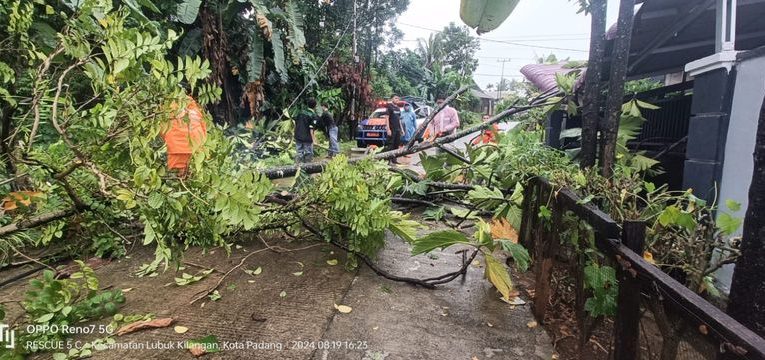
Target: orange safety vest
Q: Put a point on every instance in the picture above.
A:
(488, 136)
(187, 134)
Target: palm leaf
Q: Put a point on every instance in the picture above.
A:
(279, 60)
(486, 15)
(296, 35)
(255, 62)
(187, 11)
(191, 43)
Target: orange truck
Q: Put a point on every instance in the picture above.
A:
(374, 129)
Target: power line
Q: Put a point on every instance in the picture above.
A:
(323, 64)
(499, 75)
(517, 40)
(500, 41)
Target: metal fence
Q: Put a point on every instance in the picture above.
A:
(647, 298)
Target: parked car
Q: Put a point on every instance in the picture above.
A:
(374, 129)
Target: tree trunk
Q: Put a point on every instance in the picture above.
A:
(747, 293)
(591, 98)
(215, 50)
(6, 146)
(619, 62)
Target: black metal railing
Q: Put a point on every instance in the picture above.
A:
(663, 301)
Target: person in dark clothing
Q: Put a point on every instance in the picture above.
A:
(328, 122)
(395, 130)
(305, 126)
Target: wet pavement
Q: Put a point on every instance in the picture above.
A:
(288, 310)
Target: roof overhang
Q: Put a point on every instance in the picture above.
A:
(668, 34)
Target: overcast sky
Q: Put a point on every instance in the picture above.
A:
(536, 28)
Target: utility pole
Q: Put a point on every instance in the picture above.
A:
(502, 79)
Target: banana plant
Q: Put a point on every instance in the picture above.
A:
(486, 15)
(261, 43)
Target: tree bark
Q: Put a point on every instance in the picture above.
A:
(747, 293)
(6, 145)
(619, 62)
(37, 221)
(215, 49)
(591, 97)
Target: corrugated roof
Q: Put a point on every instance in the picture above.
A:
(543, 75)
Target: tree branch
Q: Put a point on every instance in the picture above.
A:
(421, 129)
(37, 221)
(313, 168)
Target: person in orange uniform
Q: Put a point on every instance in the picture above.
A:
(186, 134)
(487, 136)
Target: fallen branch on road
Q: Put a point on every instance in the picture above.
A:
(313, 168)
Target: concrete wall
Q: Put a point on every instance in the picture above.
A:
(748, 95)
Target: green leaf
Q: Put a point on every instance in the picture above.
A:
(708, 284)
(295, 23)
(155, 200)
(440, 239)
(135, 9)
(646, 105)
(45, 318)
(187, 11)
(149, 5)
(544, 212)
(279, 58)
(733, 205)
(120, 64)
(463, 213)
(434, 213)
(728, 224)
(497, 274)
(404, 228)
(148, 234)
(486, 15)
(215, 296)
(60, 356)
(487, 198)
(256, 58)
(643, 163)
(520, 255)
(191, 43)
(669, 216)
(483, 235)
(687, 221)
(602, 281)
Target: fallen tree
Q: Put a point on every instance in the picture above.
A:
(313, 168)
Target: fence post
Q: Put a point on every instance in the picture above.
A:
(627, 323)
(527, 213)
(550, 241)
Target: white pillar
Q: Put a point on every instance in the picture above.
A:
(725, 34)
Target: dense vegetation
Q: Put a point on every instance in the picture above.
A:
(87, 88)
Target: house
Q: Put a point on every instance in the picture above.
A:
(713, 54)
(486, 102)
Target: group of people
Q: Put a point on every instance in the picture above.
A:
(306, 124)
(402, 124)
(401, 127)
